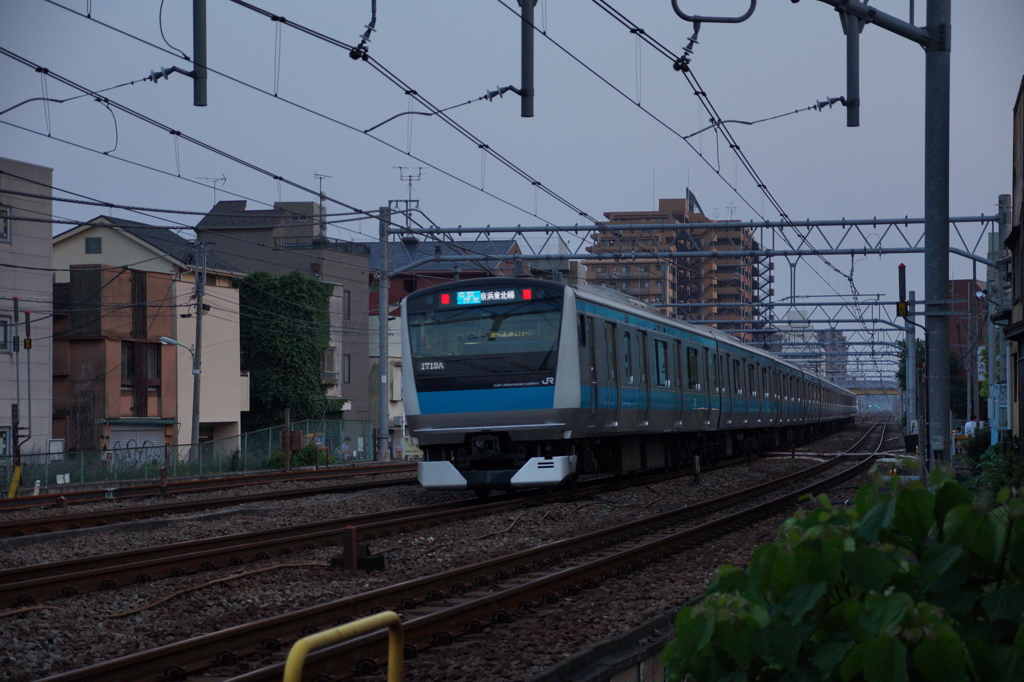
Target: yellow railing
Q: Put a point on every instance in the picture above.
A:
(387, 619)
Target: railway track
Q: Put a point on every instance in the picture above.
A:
(439, 608)
(112, 491)
(104, 517)
(27, 585)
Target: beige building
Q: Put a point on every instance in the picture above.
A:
(114, 242)
(678, 226)
(24, 264)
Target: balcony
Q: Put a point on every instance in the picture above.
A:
(326, 243)
(329, 378)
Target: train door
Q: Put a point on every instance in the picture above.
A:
(728, 391)
(715, 389)
(590, 364)
(629, 395)
(765, 415)
(643, 380)
(681, 376)
(610, 391)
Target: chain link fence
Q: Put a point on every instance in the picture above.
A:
(335, 441)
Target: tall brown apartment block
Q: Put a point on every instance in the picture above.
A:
(678, 226)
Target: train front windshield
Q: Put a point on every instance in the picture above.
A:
(485, 338)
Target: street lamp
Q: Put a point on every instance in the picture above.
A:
(194, 442)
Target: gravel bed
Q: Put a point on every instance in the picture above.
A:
(74, 632)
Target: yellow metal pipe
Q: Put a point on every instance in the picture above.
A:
(387, 619)
(15, 481)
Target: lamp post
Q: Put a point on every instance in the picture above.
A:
(194, 441)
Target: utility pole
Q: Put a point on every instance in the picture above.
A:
(526, 82)
(197, 356)
(936, 226)
(383, 451)
(199, 53)
(15, 435)
(911, 368)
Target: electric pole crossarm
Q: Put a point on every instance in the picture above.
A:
(871, 15)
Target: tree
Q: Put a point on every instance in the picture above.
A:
(285, 327)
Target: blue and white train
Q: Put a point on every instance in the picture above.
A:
(520, 383)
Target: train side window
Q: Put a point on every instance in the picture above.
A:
(691, 369)
(764, 382)
(641, 360)
(737, 377)
(583, 330)
(627, 358)
(661, 362)
(751, 377)
(610, 355)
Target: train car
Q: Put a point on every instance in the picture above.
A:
(520, 383)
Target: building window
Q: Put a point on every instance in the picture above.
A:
(328, 359)
(601, 270)
(346, 298)
(5, 441)
(94, 244)
(5, 224)
(153, 365)
(346, 369)
(6, 334)
(127, 365)
(410, 285)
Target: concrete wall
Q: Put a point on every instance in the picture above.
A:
(221, 387)
(26, 245)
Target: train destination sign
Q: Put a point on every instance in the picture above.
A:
(477, 296)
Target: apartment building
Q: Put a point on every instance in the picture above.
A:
(293, 236)
(24, 274)
(151, 273)
(720, 289)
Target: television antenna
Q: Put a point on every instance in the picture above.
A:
(213, 181)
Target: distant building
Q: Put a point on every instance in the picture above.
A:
(24, 273)
(968, 334)
(798, 341)
(836, 350)
(1014, 332)
(106, 255)
(293, 236)
(728, 289)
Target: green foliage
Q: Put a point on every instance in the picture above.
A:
(909, 584)
(285, 327)
(307, 456)
(999, 466)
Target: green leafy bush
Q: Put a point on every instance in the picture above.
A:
(909, 584)
(307, 456)
(1000, 466)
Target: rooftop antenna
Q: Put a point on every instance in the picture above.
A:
(409, 174)
(213, 181)
(320, 176)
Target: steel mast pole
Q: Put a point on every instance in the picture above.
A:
(383, 453)
(936, 222)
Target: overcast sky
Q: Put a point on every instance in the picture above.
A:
(590, 145)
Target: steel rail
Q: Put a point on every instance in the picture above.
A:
(49, 524)
(110, 490)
